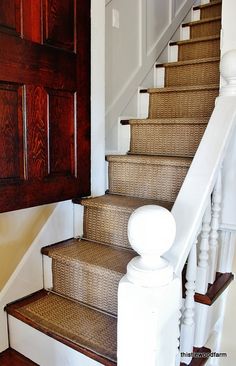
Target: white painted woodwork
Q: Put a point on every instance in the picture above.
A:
(203, 172)
(185, 33)
(206, 318)
(196, 15)
(159, 75)
(227, 243)
(124, 135)
(188, 321)
(228, 72)
(203, 256)
(97, 97)
(173, 53)
(149, 295)
(146, 26)
(228, 34)
(143, 103)
(228, 212)
(47, 272)
(28, 276)
(178, 358)
(78, 220)
(215, 224)
(42, 349)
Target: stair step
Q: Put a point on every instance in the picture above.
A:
(198, 48)
(216, 289)
(197, 72)
(209, 10)
(182, 102)
(88, 272)
(80, 327)
(172, 137)
(106, 217)
(204, 27)
(152, 177)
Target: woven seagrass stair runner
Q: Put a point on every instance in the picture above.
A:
(83, 305)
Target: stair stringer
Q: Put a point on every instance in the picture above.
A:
(28, 276)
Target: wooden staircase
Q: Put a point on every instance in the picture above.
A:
(81, 308)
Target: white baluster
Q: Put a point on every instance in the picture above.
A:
(188, 323)
(203, 265)
(215, 223)
(149, 295)
(226, 252)
(177, 360)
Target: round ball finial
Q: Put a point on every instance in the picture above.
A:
(151, 230)
(228, 72)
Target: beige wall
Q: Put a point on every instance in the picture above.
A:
(17, 231)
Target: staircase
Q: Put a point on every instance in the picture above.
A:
(80, 310)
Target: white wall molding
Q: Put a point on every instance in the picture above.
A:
(97, 97)
(118, 96)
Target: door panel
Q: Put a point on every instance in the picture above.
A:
(58, 21)
(10, 16)
(11, 133)
(44, 101)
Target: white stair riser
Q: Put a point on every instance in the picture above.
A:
(47, 272)
(159, 77)
(185, 33)
(173, 53)
(42, 349)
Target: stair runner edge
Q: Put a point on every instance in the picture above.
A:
(201, 21)
(170, 121)
(152, 160)
(176, 89)
(189, 62)
(120, 202)
(195, 40)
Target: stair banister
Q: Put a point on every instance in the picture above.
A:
(149, 294)
(193, 198)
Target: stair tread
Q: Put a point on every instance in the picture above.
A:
(91, 253)
(202, 21)
(202, 6)
(169, 121)
(189, 62)
(195, 40)
(176, 89)
(152, 160)
(122, 203)
(81, 327)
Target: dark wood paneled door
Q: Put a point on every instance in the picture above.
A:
(44, 101)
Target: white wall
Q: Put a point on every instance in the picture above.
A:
(132, 47)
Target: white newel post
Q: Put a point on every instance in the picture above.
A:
(149, 294)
